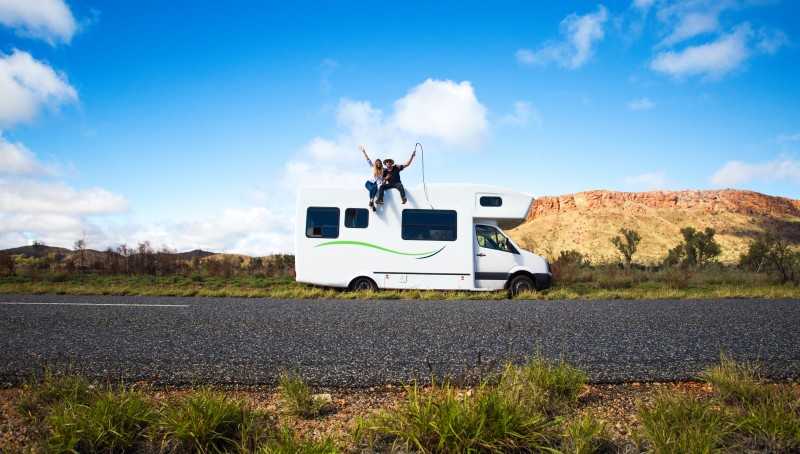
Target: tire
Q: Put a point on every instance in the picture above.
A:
(519, 284)
(363, 284)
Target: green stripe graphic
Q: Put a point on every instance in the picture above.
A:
(375, 246)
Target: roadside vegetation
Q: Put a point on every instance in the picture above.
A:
(533, 405)
(769, 269)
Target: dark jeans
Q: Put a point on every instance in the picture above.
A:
(398, 186)
(373, 188)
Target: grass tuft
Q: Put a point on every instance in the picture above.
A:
(298, 396)
(676, 423)
(209, 422)
(735, 382)
(586, 435)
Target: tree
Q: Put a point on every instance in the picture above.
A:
(770, 252)
(627, 244)
(697, 249)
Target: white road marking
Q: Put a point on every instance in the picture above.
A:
(17, 303)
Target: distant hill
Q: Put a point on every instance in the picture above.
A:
(28, 251)
(192, 254)
(586, 221)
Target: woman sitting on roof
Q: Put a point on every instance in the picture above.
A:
(373, 183)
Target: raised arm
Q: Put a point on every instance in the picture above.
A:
(363, 151)
(408, 163)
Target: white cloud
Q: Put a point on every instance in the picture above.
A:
(523, 111)
(255, 231)
(580, 34)
(647, 181)
(443, 110)
(712, 60)
(734, 173)
(16, 158)
(49, 20)
(643, 4)
(641, 104)
(37, 197)
(26, 85)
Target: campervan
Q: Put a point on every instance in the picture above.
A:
(446, 237)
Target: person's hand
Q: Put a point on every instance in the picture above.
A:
(361, 148)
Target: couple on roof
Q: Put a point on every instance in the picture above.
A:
(384, 178)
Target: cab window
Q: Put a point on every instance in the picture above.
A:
(490, 238)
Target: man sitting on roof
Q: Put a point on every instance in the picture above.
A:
(391, 178)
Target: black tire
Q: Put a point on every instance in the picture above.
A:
(519, 284)
(363, 284)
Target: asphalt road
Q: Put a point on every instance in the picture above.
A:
(364, 343)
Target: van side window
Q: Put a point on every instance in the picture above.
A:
(356, 218)
(322, 222)
(429, 225)
(487, 201)
(491, 238)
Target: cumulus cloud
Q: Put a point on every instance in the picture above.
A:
(712, 60)
(37, 197)
(16, 158)
(579, 36)
(255, 231)
(734, 173)
(49, 20)
(641, 104)
(647, 181)
(27, 85)
(442, 112)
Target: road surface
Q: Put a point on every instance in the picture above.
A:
(363, 343)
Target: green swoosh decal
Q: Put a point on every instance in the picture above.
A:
(375, 246)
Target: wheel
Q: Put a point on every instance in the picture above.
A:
(363, 284)
(521, 283)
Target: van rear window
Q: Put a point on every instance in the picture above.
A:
(429, 225)
(322, 222)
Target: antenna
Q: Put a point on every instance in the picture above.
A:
(424, 185)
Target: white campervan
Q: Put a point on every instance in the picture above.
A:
(447, 237)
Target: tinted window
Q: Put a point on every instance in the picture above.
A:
(429, 225)
(487, 201)
(356, 218)
(322, 222)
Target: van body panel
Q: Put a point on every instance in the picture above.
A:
(428, 243)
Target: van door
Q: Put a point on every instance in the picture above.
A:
(494, 257)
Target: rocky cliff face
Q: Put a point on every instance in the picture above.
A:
(718, 201)
(587, 221)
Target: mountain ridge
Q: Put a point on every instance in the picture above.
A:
(586, 221)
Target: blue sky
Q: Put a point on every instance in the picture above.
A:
(191, 124)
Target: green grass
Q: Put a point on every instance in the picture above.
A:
(592, 284)
(297, 394)
(534, 406)
(675, 423)
(209, 422)
(745, 414)
(521, 412)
